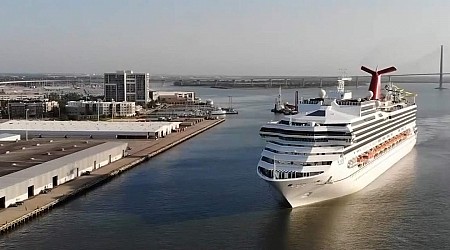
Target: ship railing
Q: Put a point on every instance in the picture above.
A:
(283, 175)
(348, 103)
(310, 102)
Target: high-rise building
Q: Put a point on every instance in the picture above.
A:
(126, 86)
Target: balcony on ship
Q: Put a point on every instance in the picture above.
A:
(282, 175)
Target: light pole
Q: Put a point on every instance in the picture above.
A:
(112, 110)
(9, 111)
(98, 110)
(26, 127)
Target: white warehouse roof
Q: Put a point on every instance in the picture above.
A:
(9, 137)
(45, 167)
(85, 126)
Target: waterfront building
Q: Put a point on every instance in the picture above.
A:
(173, 97)
(48, 164)
(94, 109)
(127, 86)
(36, 109)
(90, 129)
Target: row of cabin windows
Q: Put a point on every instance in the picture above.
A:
(384, 124)
(305, 133)
(302, 124)
(363, 121)
(387, 130)
(297, 153)
(392, 116)
(382, 120)
(298, 145)
(367, 107)
(402, 122)
(286, 175)
(374, 122)
(297, 163)
(367, 112)
(307, 139)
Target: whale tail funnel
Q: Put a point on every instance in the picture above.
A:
(375, 82)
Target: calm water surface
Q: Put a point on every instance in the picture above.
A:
(205, 194)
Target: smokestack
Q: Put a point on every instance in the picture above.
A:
(296, 100)
(375, 82)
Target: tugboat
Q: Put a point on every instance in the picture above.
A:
(279, 107)
(286, 108)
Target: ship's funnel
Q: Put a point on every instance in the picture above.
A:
(375, 82)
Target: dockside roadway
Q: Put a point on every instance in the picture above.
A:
(140, 151)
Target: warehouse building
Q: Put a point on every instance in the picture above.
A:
(29, 168)
(89, 129)
(9, 137)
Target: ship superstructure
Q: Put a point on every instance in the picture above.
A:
(337, 144)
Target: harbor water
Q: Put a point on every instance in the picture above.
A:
(205, 194)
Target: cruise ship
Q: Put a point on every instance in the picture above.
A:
(337, 144)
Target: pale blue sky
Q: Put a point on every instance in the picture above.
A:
(226, 37)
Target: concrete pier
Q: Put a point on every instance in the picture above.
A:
(141, 150)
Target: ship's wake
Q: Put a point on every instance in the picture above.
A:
(432, 128)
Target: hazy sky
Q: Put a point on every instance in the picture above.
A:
(227, 37)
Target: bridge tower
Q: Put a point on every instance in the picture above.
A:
(441, 68)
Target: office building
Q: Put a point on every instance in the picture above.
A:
(127, 86)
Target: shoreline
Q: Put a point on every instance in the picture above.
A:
(141, 151)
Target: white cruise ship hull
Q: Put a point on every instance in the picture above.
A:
(305, 191)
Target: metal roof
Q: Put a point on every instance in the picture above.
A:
(88, 126)
(30, 172)
(17, 156)
(7, 135)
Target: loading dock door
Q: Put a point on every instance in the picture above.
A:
(2, 202)
(55, 181)
(30, 191)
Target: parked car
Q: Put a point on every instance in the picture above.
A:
(86, 173)
(45, 191)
